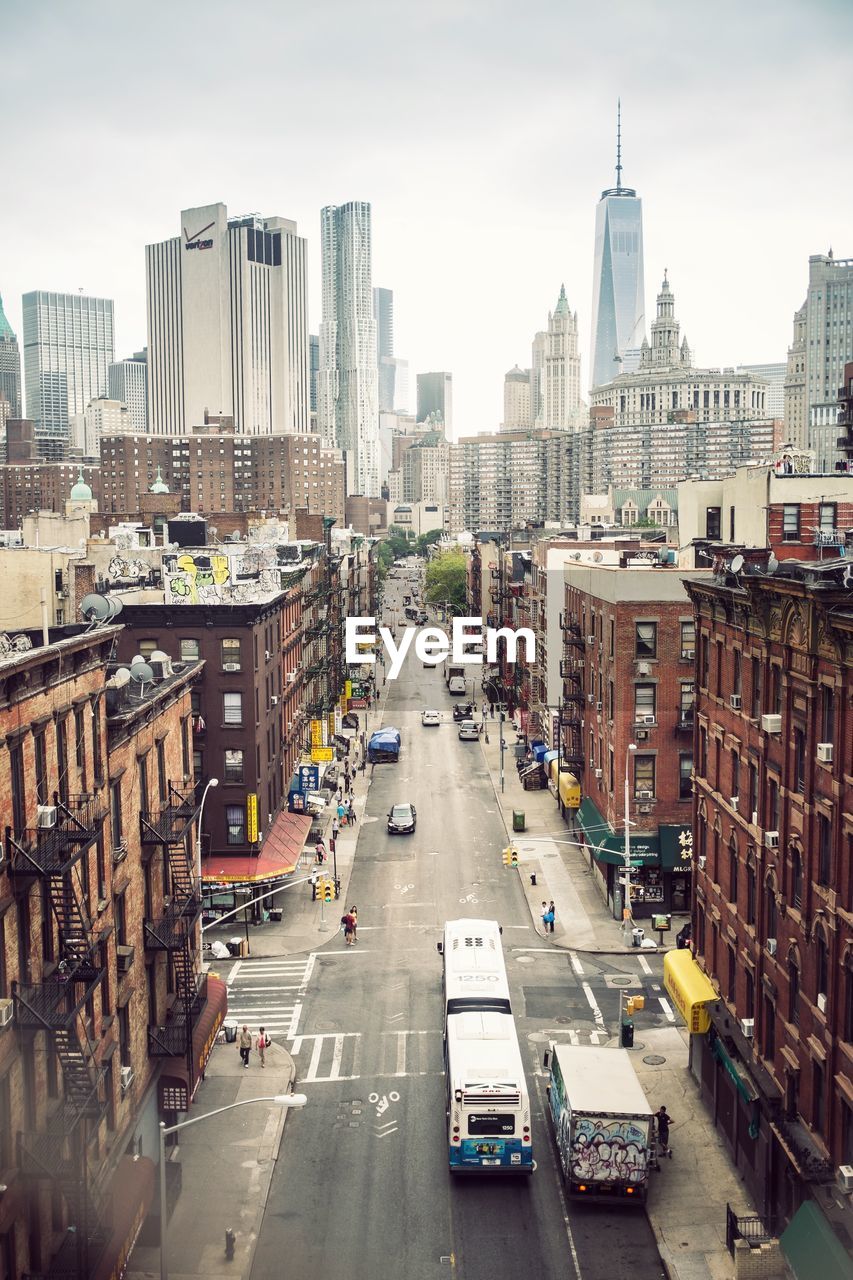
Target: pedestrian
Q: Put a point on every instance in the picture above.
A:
(263, 1045)
(342, 812)
(351, 814)
(546, 920)
(320, 851)
(363, 765)
(662, 1117)
(336, 826)
(346, 921)
(244, 1044)
(354, 917)
(492, 709)
(485, 709)
(551, 914)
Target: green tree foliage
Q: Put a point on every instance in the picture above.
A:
(395, 547)
(426, 540)
(446, 577)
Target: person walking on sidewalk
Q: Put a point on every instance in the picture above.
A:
(320, 851)
(362, 768)
(551, 915)
(336, 826)
(263, 1045)
(353, 912)
(351, 814)
(342, 811)
(244, 1044)
(662, 1118)
(547, 918)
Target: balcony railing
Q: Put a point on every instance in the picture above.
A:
(170, 931)
(53, 1005)
(170, 824)
(172, 1040)
(49, 850)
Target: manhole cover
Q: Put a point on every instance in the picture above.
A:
(654, 1060)
(524, 959)
(621, 982)
(562, 1021)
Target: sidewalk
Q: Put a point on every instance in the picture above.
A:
(688, 1197)
(226, 1169)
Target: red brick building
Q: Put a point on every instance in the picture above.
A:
(773, 905)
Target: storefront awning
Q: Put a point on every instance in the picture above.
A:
(177, 1084)
(607, 846)
(132, 1193)
(812, 1248)
(690, 989)
(278, 855)
(676, 847)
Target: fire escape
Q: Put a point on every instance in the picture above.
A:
(56, 1006)
(571, 709)
(173, 930)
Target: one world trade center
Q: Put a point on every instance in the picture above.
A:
(618, 294)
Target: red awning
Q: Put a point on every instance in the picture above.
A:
(177, 1086)
(132, 1193)
(277, 857)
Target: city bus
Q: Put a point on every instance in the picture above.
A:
(487, 1103)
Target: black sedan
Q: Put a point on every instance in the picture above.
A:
(463, 711)
(402, 819)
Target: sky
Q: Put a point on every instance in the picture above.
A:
(481, 131)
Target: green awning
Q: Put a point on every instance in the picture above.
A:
(607, 846)
(813, 1250)
(676, 847)
(744, 1088)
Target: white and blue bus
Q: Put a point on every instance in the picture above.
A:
(488, 1108)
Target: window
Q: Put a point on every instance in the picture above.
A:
(115, 813)
(720, 648)
(230, 654)
(234, 766)
(124, 1036)
(737, 678)
(41, 768)
(772, 804)
(97, 751)
(731, 984)
(644, 776)
(162, 783)
(611, 699)
(821, 965)
(755, 689)
(705, 661)
(235, 821)
(796, 879)
(232, 708)
(827, 713)
(769, 1028)
(770, 909)
(120, 917)
(817, 1096)
(688, 639)
(791, 522)
(848, 998)
(644, 702)
(750, 887)
(826, 517)
(146, 648)
(712, 522)
(799, 760)
(824, 850)
(612, 640)
(685, 777)
(198, 766)
(80, 745)
(142, 767)
(62, 759)
(776, 690)
(752, 798)
(733, 870)
(749, 998)
(190, 650)
(185, 746)
(646, 640)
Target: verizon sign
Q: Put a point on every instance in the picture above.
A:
(196, 241)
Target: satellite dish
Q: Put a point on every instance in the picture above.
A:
(115, 605)
(121, 677)
(141, 673)
(772, 563)
(597, 557)
(736, 564)
(138, 661)
(576, 555)
(95, 608)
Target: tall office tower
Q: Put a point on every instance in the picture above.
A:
(517, 415)
(68, 348)
(435, 396)
(347, 380)
(228, 324)
(823, 344)
(774, 375)
(618, 293)
(10, 367)
(313, 366)
(383, 314)
(393, 372)
(128, 382)
(556, 373)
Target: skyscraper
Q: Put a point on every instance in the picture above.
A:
(555, 382)
(393, 373)
(68, 347)
(347, 380)
(435, 395)
(128, 382)
(10, 367)
(228, 324)
(618, 294)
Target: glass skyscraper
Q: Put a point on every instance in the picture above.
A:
(618, 292)
(10, 367)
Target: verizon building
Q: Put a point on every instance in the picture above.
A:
(228, 324)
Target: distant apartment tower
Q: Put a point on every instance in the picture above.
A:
(347, 380)
(822, 345)
(618, 290)
(228, 324)
(435, 395)
(517, 411)
(313, 366)
(773, 376)
(101, 417)
(127, 381)
(10, 367)
(68, 348)
(556, 375)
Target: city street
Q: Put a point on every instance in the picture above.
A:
(362, 1182)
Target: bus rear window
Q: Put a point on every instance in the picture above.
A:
(490, 1124)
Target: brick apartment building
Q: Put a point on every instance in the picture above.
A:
(100, 984)
(773, 899)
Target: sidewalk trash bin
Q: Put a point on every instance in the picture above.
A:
(518, 820)
(233, 945)
(626, 1035)
(230, 1028)
(637, 936)
(275, 915)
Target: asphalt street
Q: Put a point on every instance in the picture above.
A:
(361, 1187)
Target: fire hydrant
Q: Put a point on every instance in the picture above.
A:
(230, 1242)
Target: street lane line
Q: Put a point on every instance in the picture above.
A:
(401, 1053)
(575, 962)
(233, 974)
(593, 1004)
(267, 990)
(667, 1008)
(315, 1058)
(644, 964)
(294, 1019)
(335, 1071)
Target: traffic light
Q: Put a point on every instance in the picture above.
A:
(328, 891)
(629, 1008)
(510, 856)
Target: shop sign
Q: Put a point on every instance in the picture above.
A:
(322, 755)
(316, 736)
(252, 818)
(309, 777)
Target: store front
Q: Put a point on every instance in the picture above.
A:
(660, 867)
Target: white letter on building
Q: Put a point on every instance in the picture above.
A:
(432, 646)
(512, 638)
(396, 654)
(466, 632)
(353, 635)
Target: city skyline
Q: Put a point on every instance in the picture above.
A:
(469, 288)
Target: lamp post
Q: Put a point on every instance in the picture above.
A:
(626, 901)
(279, 1099)
(211, 782)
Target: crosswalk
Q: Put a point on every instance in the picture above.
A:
(328, 1056)
(268, 993)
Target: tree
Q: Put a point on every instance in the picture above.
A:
(427, 540)
(446, 580)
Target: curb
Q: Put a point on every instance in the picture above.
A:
(269, 1151)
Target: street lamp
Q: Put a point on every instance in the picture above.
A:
(626, 901)
(211, 782)
(279, 1099)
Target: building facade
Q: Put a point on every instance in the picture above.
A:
(68, 348)
(101, 417)
(517, 400)
(10, 368)
(822, 345)
(435, 399)
(228, 324)
(348, 379)
(512, 479)
(555, 378)
(127, 381)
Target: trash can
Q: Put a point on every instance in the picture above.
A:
(233, 945)
(626, 1035)
(229, 1026)
(637, 936)
(518, 820)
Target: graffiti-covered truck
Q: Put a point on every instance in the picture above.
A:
(602, 1122)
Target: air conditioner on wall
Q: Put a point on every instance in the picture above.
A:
(688, 654)
(643, 668)
(646, 719)
(599, 773)
(645, 795)
(771, 839)
(231, 666)
(824, 752)
(642, 735)
(771, 724)
(126, 1078)
(747, 1026)
(46, 815)
(735, 702)
(590, 639)
(7, 1008)
(845, 1178)
(771, 946)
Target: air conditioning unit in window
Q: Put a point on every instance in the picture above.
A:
(231, 666)
(845, 1178)
(7, 1008)
(598, 706)
(126, 1078)
(771, 839)
(599, 773)
(747, 1026)
(824, 752)
(274, 699)
(124, 958)
(735, 702)
(646, 719)
(644, 808)
(734, 801)
(821, 1001)
(688, 654)
(645, 795)
(46, 815)
(642, 735)
(590, 639)
(701, 860)
(643, 669)
(771, 946)
(771, 724)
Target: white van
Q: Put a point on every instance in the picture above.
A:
(456, 685)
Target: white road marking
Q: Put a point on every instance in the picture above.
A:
(575, 962)
(315, 1058)
(667, 1008)
(267, 990)
(336, 1058)
(593, 1004)
(294, 1019)
(233, 974)
(595, 1036)
(401, 1053)
(644, 964)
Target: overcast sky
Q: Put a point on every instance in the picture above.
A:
(482, 132)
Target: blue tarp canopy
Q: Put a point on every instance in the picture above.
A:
(549, 756)
(539, 752)
(385, 738)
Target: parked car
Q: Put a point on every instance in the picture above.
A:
(468, 731)
(422, 617)
(463, 711)
(402, 819)
(430, 716)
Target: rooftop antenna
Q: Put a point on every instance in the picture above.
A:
(618, 144)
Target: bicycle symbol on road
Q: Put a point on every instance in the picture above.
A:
(382, 1104)
(404, 888)
(470, 897)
